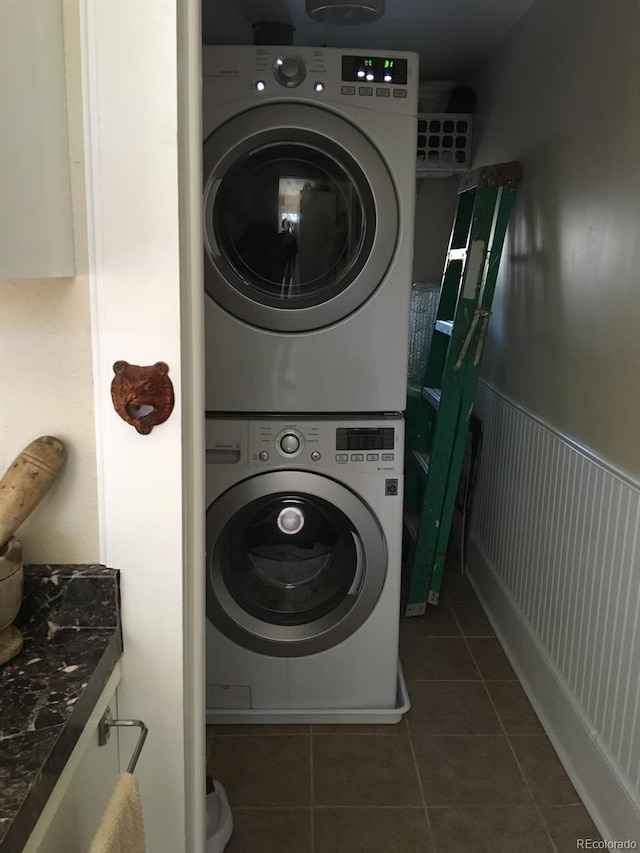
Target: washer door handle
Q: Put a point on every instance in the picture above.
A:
(358, 578)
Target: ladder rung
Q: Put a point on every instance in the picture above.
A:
(411, 524)
(432, 395)
(444, 326)
(422, 460)
(457, 254)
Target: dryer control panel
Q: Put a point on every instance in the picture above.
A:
(384, 81)
(370, 446)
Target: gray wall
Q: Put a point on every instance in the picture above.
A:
(562, 94)
(435, 210)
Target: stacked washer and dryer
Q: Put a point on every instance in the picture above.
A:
(309, 171)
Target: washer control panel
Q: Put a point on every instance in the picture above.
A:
(368, 446)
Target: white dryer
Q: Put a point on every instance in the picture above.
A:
(304, 529)
(309, 198)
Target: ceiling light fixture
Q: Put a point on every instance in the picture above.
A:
(345, 11)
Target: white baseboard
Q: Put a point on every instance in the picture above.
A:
(611, 804)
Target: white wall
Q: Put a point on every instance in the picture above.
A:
(555, 554)
(46, 371)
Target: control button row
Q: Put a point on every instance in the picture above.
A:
(359, 457)
(381, 91)
(263, 456)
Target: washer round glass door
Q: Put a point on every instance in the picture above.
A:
(300, 215)
(296, 563)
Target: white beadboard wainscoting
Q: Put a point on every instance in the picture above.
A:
(555, 560)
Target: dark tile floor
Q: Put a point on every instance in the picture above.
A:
(470, 769)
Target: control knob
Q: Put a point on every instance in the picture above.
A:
(289, 443)
(289, 71)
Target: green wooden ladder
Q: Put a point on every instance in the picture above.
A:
(438, 414)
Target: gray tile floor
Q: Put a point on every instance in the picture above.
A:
(470, 769)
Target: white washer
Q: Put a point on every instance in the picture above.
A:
(304, 530)
(309, 202)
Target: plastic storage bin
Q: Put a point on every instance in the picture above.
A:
(444, 143)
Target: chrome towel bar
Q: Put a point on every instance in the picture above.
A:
(104, 730)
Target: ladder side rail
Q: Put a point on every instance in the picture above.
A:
(460, 379)
(430, 513)
(416, 430)
(505, 204)
(440, 342)
(448, 507)
(479, 238)
(452, 279)
(462, 220)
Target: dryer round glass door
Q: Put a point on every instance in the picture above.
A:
(296, 563)
(301, 217)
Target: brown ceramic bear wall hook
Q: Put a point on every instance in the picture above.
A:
(142, 396)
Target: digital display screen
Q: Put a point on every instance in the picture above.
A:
(374, 69)
(365, 439)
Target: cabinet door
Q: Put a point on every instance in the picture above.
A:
(36, 238)
(77, 803)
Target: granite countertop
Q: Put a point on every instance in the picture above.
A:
(70, 619)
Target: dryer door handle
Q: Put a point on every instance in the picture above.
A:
(211, 243)
(358, 578)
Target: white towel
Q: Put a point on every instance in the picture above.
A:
(121, 829)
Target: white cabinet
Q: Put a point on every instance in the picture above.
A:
(76, 805)
(36, 226)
